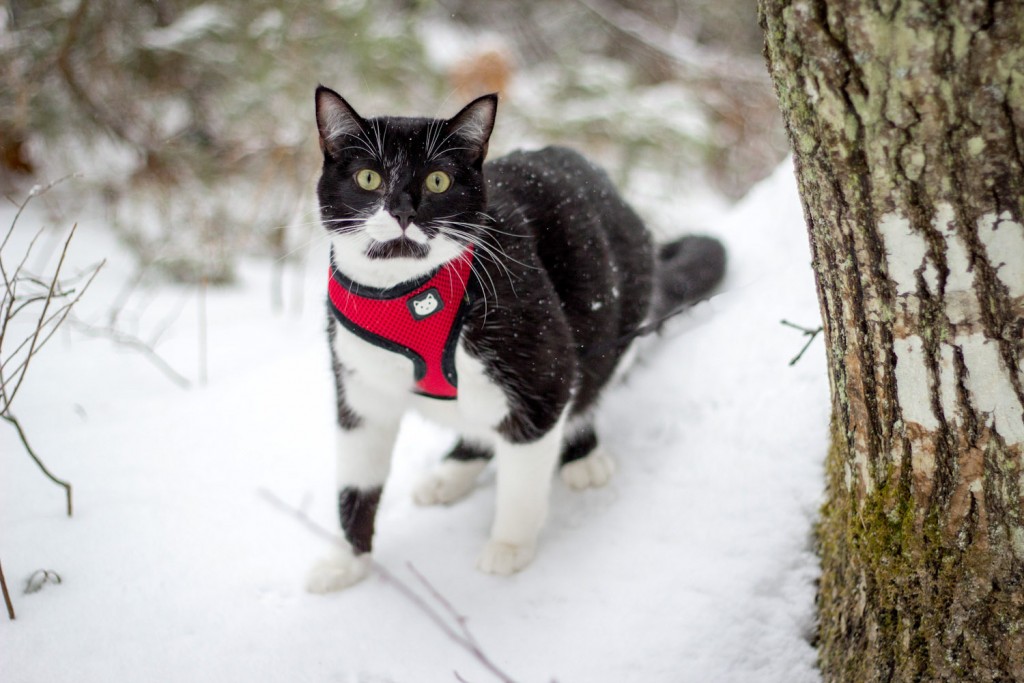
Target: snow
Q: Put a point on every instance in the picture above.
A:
(694, 563)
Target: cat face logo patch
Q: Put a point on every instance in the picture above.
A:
(425, 304)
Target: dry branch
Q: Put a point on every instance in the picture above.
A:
(39, 578)
(54, 297)
(80, 92)
(121, 333)
(697, 62)
(38, 461)
(808, 332)
(463, 637)
(7, 595)
(133, 342)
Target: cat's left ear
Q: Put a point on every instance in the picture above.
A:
(474, 124)
(335, 119)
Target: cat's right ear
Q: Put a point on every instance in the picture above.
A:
(335, 119)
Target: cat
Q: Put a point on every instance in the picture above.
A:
(498, 299)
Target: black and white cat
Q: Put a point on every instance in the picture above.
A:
(498, 299)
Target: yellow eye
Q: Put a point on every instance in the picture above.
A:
(368, 180)
(438, 182)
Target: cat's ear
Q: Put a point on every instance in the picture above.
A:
(335, 119)
(474, 124)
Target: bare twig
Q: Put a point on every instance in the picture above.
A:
(465, 639)
(301, 517)
(126, 293)
(29, 300)
(11, 282)
(9, 397)
(697, 61)
(39, 578)
(120, 332)
(55, 300)
(34, 192)
(53, 323)
(458, 618)
(132, 342)
(202, 332)
(157, 332)
(91, 107)
(32, 454)
(808, 332)
(7, 595)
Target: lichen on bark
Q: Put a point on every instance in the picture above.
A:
(907, 125)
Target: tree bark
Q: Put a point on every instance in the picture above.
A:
(907, 125)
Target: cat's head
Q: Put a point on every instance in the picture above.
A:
(400, 196)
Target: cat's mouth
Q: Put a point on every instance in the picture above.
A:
(401, 247)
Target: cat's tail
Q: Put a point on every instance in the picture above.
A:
(687, 270)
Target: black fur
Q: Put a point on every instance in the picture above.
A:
(357, 509)
(579, 445)
(345, 416)
(576, 446)
(688, 269)
(465, 451)
(579, 271)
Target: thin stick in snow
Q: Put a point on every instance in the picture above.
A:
(465, 639)
(809, 333)
(132, 342)
(7, 595)
(202, 332)
(55, 299)
(38, 461)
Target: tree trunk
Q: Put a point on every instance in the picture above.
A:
(907, 125)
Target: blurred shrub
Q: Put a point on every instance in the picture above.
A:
(192, 120)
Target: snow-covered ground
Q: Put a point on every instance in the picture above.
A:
(694, 564)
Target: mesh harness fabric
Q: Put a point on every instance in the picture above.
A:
(420, 319)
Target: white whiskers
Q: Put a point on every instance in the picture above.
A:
(486, 248)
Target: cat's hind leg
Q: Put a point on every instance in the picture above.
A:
(584, 464)
(455, 476)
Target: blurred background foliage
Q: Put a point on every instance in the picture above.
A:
(191, 122)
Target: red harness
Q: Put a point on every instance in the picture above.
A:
(420, 320)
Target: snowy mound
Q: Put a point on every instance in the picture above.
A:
(693, 564)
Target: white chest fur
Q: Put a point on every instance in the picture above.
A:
(379, 385)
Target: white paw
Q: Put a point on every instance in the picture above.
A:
(449, 481)
(504, 558)
(589, 472)
(340, 569)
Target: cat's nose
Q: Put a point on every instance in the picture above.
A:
(402, 209)
(403, 215)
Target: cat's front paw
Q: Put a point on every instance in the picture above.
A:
(594, 470)
(339, 570)
(505, 558)
(449, 482)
